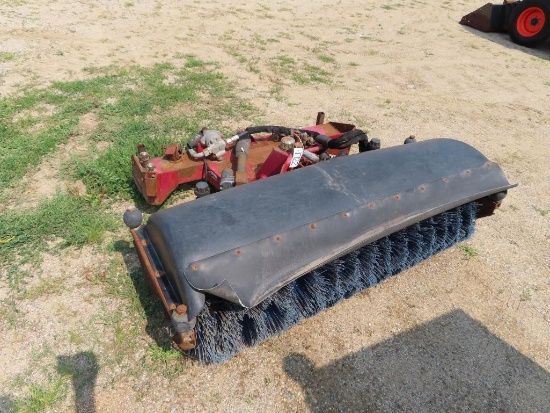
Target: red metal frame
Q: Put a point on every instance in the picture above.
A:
(264, 159)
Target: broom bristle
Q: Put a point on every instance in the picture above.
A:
(224, 329)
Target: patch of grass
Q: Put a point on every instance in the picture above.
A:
(46, 286)
(313, 74)
(163, 356)
(192, 61)
(258, 40)
(276, 90)
(13, 2)
(525, 295)
(386, 103)
(139, 93)
(231, 51)
(469, 252)
(6, 56)
(309, 36)
(166, 361)
(73, 220)
(371, 39)
(76, 220)
(300, 72)
(284, 61)
(75, 338)
(9, 313)
(326, 58)
(392, 6)
(42, 397)
(542, 212)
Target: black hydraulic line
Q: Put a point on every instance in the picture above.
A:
(343, 142)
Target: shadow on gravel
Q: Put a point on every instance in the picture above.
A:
(156, 320)
(6, 404)
(541, 51)
(452, 363)
(83, 368)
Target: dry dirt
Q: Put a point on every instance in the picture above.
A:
(453, 334)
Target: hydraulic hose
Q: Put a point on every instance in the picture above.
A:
(343, 142)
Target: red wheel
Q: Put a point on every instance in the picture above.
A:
(530, 22)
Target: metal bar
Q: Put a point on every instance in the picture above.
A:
(150, 272)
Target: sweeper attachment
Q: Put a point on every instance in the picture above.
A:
(238, 266)
(527, 21)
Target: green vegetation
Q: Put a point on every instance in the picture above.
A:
(42, 397)
(542, 212)
(6, 56)
(105, 117)
(469, 252)
(153, 106)
(326, 58)
(71, 219)
(299, 72)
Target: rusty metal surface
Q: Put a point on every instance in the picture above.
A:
(151, 273)
(156, 178)
(335, 129)
(320, 118)
(185, 341)
(487, 207)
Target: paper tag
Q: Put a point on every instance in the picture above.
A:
(297, 155)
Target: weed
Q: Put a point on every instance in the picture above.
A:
(42, 397)
(309, 36)
(9, 313)
(542, 212)
(253, 69)
(75, 338)
(76, 220)
(167, 361)
(469, 252)
(163, 356)
(6, 56)
(257, 39)
(276, 90)
(525, 296)
(46, 286)
(325, 58)
(284, 61)
(371, 39)
(314, 74)
(237, 55)
(300, 72)
(192, 61)
(384, 104)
